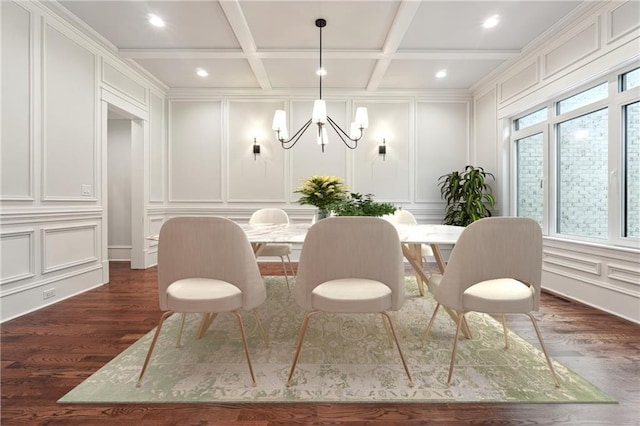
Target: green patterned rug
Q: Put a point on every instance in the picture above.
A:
(346, 358)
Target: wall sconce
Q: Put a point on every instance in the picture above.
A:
(382, 149)
(256, 149)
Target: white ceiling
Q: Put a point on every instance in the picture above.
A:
(367, 44)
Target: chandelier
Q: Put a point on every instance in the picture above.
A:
(320, 118)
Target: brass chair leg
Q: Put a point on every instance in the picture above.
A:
(426, 332)
(205, 323)
(153, 344)
(303, 330)
(246, 347)
(286, 274)
(183, 316)
(504, 331)
(264, 335)
(293, 272)
(455, 346)
(395, 337)
(544, 350)
(389, 334)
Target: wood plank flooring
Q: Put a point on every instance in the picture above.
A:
(47, 353)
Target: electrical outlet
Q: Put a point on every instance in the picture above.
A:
(48, 294)
(86, 190)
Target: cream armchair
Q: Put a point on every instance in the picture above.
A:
(495, 267)
(350, 265)
(275, 216)
(206, 265)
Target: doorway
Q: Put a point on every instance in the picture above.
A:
(124, 198)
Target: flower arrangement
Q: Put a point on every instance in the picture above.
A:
(324, 192)
(329, 193)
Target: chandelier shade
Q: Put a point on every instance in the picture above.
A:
(320, 118)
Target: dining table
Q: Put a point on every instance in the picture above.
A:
(412, 237)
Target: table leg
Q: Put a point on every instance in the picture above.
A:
(410, 254)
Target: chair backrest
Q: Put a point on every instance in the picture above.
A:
(491, 248)
(208, 247)
(402, 217)
(350, 247)
(269, 216)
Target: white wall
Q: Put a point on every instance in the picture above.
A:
(53, 193)
(602, 40)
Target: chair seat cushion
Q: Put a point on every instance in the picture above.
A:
(276, 250)
(203, 295)
(351, 295)
(503, 295)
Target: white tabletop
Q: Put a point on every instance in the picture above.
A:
(295, 233)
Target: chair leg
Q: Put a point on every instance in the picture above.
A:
(183, 316)
(205, 323)
(504, 331)
(389, 334)
(395, 337)
(246, 347)
(303, 330)
(455, 346)
(293, 272)
(153, 344)
(426, 332)
(264, 335)
(544, 350)
(286, 274)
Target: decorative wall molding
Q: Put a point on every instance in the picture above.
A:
(12, 254)
(624, 273)
(622, 21)
(47, 282)
(592, 282)
(581, 43)
(125, 86)
(69, 250)
(578, 263)
(30, 216)
(525, 78)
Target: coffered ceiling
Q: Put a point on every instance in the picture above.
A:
(369, 45)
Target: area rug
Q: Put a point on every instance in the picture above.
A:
(345, 358)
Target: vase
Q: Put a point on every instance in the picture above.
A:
(322, 214)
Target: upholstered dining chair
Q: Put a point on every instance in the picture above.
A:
(495, 268)
(274, 216)
(206, 265)
(350, 265)
(405, 217)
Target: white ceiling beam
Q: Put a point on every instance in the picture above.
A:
(240, 28)
(406, 12)
(182, 54)
(457, 54)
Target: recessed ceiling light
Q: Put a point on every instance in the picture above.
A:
(441, 74)
(321, 72)
(202, 72)
(156, 21)
(491, 22)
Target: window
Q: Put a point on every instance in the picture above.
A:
(583, 171)
(529, 193)
(576, 162)
(631, 117)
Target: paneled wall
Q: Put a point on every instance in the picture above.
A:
(56, 88)
(602, 40)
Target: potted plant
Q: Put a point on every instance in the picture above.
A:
(468, 195)
(323, 192)
(356, 204)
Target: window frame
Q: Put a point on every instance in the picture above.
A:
(615, 101)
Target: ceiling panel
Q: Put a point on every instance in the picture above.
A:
(367, 44)
(223, 73)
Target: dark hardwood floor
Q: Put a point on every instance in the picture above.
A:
(47, 353)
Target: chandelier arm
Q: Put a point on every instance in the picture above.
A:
(343, 134)
(296, 137)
